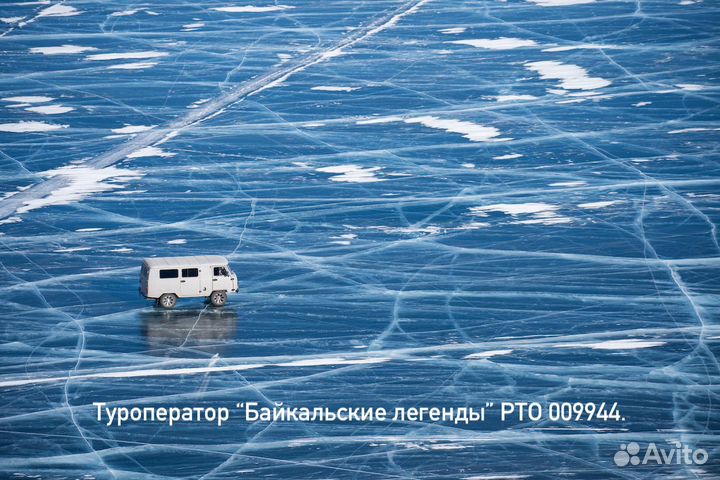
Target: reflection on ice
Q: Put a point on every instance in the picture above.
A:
(181, 328)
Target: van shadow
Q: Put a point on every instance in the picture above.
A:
(196, 328)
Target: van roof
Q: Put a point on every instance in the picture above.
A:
(199, 261)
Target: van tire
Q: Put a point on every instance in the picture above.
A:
(218, 298)
(167, 300)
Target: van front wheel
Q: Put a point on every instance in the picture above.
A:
(167, 300)
(218, 298)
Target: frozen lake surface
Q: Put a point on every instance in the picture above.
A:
(428, 203)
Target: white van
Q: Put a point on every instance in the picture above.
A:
(169, 278)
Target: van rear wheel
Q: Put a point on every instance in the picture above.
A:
(167, 300)
(218, 298)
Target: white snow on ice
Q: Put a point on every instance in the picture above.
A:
(127, 129)
(488, 354)
(514, 98)
(252, 9)
(50, 109)
(472, 131)
(691, 87)
(572, 77)
(62, 50)
(150, 152)
(83, 181)
(596, 205)
(580, 46)
(540, 213)
(28, 99)
(560, 3)
(453, 30)
(133, 66)
(379, 120)
(352, 173)
(625, 344)
(501, 43)
(59, 10)
(324, 88)
(509, 156)
(126, 56)
(11, 19)
(30, 127)
(578, 183)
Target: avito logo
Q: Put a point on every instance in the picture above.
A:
(629, 454)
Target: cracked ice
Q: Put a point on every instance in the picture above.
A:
(428, 203)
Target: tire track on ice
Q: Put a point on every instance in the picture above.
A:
(11, 204)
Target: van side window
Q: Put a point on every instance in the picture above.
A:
(169, 273)
(189, 272)
(220, 272)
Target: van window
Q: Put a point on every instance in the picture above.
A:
(189, 272)
(220, 272)
(169, 273)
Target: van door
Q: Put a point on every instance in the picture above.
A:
(189, 282)
(221, 279)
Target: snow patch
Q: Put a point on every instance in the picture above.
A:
(572, 77)
(428, 229)
(83, 181)
(316, 362)
(625, 344)
(59, 10)
(453, 30)
(352, 173)
(10, 220)
(150, 152)
(62, 50)
(447, 446)
(252, 9)
(50, 109)
(580, 46)
(323, 88)
(28, 99)
(125, 13)
(515, 98)
(509, 156)
(578, 183)
(11, 19)
(133, 66)
(501, 43)
(30, 127)
(472, 131)
(126, 56)
(691, 130)
(127, 129)
(691, 87)
(560, 3)
(192, 26)
(515, 208)
(379, 120)
(488, 354)
(596, 205)
(540, 213)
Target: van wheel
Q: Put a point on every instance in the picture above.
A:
(167, 300)
(218, 298)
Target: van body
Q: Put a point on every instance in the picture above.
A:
(168, 278)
